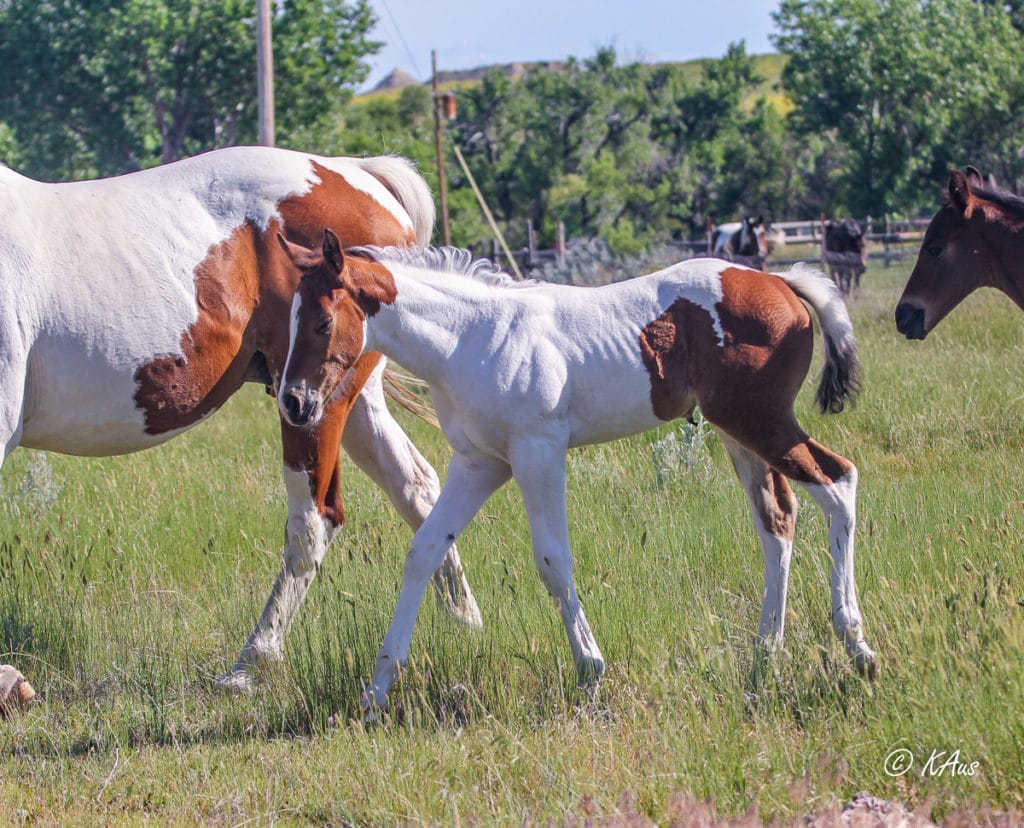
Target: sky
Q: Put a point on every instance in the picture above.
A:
(471, 33)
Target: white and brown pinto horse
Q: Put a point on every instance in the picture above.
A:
(743, 241)
(521, 372)
(975, 240)
(133, 307)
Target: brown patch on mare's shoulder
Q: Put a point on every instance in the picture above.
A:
(177, 390)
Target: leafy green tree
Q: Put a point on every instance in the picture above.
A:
(103, 88)
(897, 83)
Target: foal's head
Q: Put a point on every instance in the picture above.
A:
(335, 294)
(973, 241)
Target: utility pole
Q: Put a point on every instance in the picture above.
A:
(264, 73)
(442, 182)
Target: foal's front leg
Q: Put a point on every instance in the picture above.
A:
(539, 469)
(377, 444)
(471, 480)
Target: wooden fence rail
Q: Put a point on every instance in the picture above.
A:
(889, 240)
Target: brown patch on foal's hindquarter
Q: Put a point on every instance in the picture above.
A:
(666, 347)
(746, 383)
(177, 390)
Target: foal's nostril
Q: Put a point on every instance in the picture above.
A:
(292, 407)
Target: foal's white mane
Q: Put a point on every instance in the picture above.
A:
(454, 260)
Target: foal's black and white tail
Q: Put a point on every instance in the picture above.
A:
(840, 378)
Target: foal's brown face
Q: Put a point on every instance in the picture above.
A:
(335, 295)
(955, 259)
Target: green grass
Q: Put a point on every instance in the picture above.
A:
(128, 584)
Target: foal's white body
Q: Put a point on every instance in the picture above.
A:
(521, 373)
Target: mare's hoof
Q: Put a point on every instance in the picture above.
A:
(236, 682)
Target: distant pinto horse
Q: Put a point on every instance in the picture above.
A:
(973, 241)
(132, 308)
(845, 253)
(521, 372)
(743, 241)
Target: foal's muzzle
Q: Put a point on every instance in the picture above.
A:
(910, 321)
(300, 406)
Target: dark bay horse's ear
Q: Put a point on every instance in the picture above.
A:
(959, 190)
(975, 178)
(332, 251)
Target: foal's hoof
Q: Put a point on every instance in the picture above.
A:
(866, 663)
(589, 673)
(373, 710)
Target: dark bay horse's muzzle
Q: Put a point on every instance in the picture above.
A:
(301, 406)
(910, 321)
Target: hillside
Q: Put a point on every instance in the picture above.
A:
(769, 66)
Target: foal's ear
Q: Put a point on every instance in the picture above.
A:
(332, 251)
(959, 190)
(371, 285)
(975, 178)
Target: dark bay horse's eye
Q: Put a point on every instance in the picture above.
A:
(934, 250)
(324, 327)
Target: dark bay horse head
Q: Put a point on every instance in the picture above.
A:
(333, 298)
(974, 240)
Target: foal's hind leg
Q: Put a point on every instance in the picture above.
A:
(377, 444)
(831, 480)
(775, 508)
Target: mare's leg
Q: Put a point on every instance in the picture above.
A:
(831, 480)
(775, 508)
(539, 469)
(377, 444)
(312, 480)
(470, 481)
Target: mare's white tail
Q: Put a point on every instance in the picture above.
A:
(406, 184)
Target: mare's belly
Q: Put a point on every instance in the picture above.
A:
(87, 403)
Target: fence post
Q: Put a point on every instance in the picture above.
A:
(531, 243)
(708, 230)
(821, 241)
(887, 230)
(560, 242)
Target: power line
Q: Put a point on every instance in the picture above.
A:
(401, 37)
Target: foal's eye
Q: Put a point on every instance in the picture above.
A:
(934, 250)
(324, 327)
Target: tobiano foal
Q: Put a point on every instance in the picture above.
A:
(522, 372)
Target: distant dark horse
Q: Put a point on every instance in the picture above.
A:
(973, 241)
(845, 254)
(741, 241)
